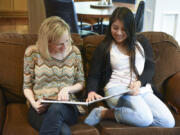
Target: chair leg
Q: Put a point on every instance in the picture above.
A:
(81, 23)
(101, 21)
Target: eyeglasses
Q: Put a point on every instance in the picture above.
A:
(61, 43)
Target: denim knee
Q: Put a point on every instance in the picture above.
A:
(138, 119)
(145, 120)
(171, 123)
(54, 107)
(57, 108)
(168, 123)
(64, 112)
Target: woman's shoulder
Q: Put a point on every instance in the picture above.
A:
(31, 50)
(75, 49)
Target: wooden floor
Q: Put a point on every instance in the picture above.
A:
(19, 25)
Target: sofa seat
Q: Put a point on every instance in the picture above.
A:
(17, 123)
(108, 127)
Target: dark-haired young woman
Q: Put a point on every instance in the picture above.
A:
(124, 61)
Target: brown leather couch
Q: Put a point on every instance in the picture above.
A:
(13, 108)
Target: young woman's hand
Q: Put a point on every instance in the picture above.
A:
(92, 96)
(135, 87)
(39, 107)
(63, 94)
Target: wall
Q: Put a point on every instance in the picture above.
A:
(13, 8)
(163, 15)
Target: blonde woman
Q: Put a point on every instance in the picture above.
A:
(52, 68)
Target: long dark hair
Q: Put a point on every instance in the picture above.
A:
(126, 16)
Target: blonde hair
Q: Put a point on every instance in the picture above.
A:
(50, 31)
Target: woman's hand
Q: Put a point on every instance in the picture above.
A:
(63, 94)
(92, 96)
(39, 107)
(135, 87)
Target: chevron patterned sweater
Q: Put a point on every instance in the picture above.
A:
(47, 77)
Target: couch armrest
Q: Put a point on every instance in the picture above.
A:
(172, 91)
(2, 110)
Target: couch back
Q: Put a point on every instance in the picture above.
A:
(12, 48)
(166, 56)
(165, 48)
(13, 45)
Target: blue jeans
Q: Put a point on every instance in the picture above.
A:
(142, 110)
(55, 121)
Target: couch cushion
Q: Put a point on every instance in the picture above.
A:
(17, 123)
(110, 127)
(83, 129)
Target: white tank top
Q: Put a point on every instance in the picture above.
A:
(121, 75)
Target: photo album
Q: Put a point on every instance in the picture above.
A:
(85, 103)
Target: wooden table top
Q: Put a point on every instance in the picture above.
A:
(84, 9)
